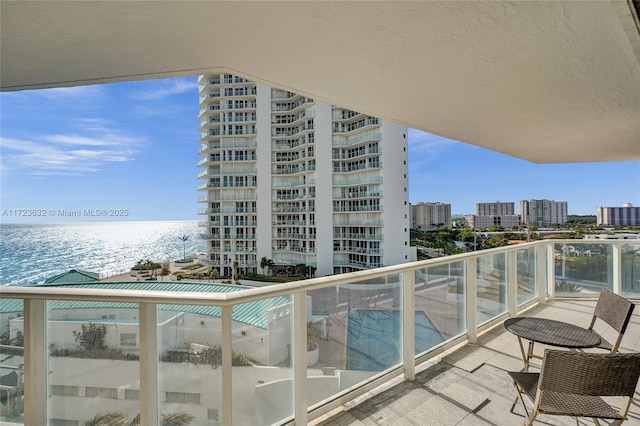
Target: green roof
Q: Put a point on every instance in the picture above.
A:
(252, 313)
(73, 276)
(11, 306)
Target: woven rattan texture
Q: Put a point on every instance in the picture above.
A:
(572, 382)
(589, 373)
(551, 332)
(614, 310)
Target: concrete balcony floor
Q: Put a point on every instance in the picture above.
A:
(470, 386)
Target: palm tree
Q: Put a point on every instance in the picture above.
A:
(164, 273)
(122, 419)
(109, 419)
(184, 239)
(301, 270)
(266, 263)
(214, 274)
(263, 263)
(234, 274)
(177, 419)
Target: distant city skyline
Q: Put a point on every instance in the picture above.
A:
(134, 146)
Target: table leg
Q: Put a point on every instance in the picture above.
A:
(530, 352)
(525, 357)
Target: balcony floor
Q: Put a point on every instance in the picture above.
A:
(470, 386)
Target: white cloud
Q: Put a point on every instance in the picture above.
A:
(72, 93)
(67, 154)
(164, 88)
(79, 140)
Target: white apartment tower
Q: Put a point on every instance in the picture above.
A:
(543, 213)
(299, 181)
(495, 209)
(429, 216)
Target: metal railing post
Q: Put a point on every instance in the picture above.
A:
(299, 345)
(35, 362)
(616, 271)
(227, 354)
(512, 282)
(408, 324)
(471, 297)
(149, 364)
(542, 277)
(551, 272)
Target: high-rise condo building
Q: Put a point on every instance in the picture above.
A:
(299, 182)
(507, 221)
(493, 214)
(543, 213)
(428, 216)
(618, 216)
(495, 209)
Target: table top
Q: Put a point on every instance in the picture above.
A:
(552, 332)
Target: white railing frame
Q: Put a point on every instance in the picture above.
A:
(149, 364)
(35, 326)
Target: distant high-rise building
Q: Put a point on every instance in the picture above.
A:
(299, 181)
(428, 216)
(494, 214)
(618, 216)
(495, 209)
(507, 221)
(543, 213)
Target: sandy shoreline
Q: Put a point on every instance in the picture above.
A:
(132, 276)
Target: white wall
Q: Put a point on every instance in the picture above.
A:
(324, 197)
(261, 395)
(395, 189)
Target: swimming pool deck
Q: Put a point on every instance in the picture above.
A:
(470, 386)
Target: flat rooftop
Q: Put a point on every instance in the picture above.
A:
(470, 385)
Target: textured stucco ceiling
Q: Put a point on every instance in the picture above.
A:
(542, 81)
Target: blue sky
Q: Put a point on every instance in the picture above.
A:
(134, 147)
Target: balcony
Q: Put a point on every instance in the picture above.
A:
(428, 335)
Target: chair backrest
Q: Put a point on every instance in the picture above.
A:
(614, 310)
(579, 373)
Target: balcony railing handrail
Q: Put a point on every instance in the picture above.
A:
(249, 295)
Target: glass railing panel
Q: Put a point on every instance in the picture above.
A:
(583, 268)
(630, 254)
(357, 331)
(262, 350)
(492, 287)
(189, 359)
(11, 361)
(440, 315)
(93, 352)
(526, 276)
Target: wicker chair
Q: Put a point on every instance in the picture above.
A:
(572, 384)
(615, 311)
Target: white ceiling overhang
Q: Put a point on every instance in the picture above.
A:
(548, 82)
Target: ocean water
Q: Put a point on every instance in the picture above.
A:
(31, 253)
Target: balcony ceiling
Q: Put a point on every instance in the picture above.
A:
(549, 82)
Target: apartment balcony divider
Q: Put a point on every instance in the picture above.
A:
(485, 287)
